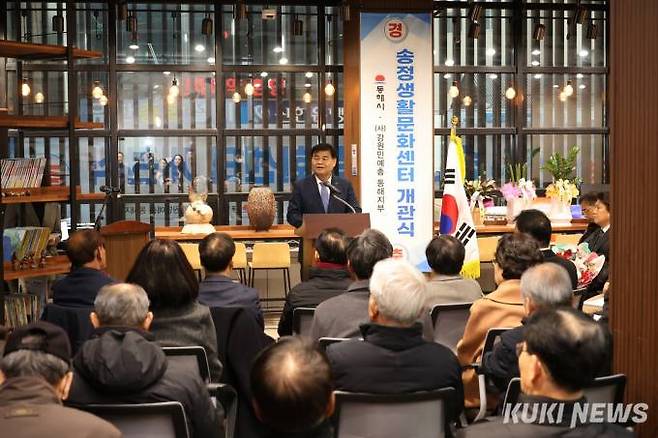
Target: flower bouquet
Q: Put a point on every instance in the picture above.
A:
(561, 193)
(588, 263)
(518, 194)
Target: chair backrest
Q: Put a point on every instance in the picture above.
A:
(326, 341)
(74, 320)
(240, 256)
(606, 389)
(492, 338)
(449, 321)
(302, 318)
(417, 414)
(191, 251)
(271, 255)
(192, 357)
(144, 420)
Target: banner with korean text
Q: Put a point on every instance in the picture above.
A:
(396, 129)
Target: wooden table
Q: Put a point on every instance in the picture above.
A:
(54, 265)
(576, 227)
(237, 232)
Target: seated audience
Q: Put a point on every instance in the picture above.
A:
(166, 275)
(218, 289)
(561, 355)
(445, 255)
(35, 374)
(86, 250)
(501, 308)
(340, 316)
(599, 243)
(328, 277)
(538, 226)
(121, 363)
(543, 286)
(393, 356)
(292, 389)
(588, 207)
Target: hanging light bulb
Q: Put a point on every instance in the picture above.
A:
(467, 100)
(171, 99)
(249, 88)
(39, 97)
(97, 91)
(329, 89)
(103, 100)
(236, 97)
(568, 89)
(25, 88)
(454, 90)
(206, 25)
(174, 90)
(58, 23)
(563, 96)
(133, 42)
(307, 97)
(510, 93)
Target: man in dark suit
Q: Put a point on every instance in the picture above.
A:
(86, 250)
(309, 195)
(218, 289)
(538, 226)
(599, 241)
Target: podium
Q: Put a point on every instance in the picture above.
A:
(123, 242)
(313, 224)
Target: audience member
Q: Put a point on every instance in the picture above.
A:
(538, 226)
(598, 242)
(445, 255)
(292, 389)
(163, 270)
(561, 355)
(86, 250)
(328, 277)
(393, 356)
(588, 207)
(218, 289)
(121, 363)
(543, 286)
(340, 316)
(501, 308)
(36, 377)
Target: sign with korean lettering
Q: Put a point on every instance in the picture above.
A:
(396, 129)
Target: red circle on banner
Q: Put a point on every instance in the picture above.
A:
(449, 214)
(395, 30)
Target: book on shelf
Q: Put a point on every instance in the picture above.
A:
(24, 241)
(22, 172)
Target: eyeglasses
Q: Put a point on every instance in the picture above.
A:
(322, 159)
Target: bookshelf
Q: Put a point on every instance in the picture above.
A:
(25, 52)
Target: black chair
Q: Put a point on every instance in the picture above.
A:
(416, 414)
(192, 357)
(144, 420)
(606, 389)
(302, 318)
(325, 342)
(227, 396)
(449, 322)
(74, 320)
(490, 341)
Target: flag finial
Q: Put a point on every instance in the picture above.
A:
(454, 121)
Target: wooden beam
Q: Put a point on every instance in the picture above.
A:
(31, 52)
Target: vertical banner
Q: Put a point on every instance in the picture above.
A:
(397, 136)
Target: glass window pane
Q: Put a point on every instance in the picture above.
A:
(92, 162)
(486, 155)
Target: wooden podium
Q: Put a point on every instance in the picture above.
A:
(351, 224)
(123, 242)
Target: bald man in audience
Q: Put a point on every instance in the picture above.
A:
(292, 389)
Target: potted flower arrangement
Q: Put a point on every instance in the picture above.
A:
(479, 192)
(564, 186)
(519, 192)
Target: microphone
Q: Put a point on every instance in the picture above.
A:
(332, 187)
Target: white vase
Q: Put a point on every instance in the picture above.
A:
(560, 212)
(514, 207)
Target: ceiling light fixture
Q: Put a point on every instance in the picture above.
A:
(58, 22)
(539, 32)
(103, 100)
(130, 59)
(568, 89)
(206, 25)
(236, 97)
(592, 32)
(25, 88)
(39, 97)
(174, 90)
(249, 88)
(122, 10)
(474, 30)
(329, 89)
(97, 91)
(510, 93)
(467, 100)
(536, 52)
(297, 26)
(453, 91)
(131, 22)
(307, 97)
(199, 48)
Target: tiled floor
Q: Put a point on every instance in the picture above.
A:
(271, 324)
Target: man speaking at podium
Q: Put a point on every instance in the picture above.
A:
(321, 192)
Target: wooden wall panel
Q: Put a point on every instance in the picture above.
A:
(633, 100)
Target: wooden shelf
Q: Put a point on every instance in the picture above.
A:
(43, 122)
(54, 265)
(237, 232)
(45, 194)
(33, 52)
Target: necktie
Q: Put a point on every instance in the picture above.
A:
(324, 194)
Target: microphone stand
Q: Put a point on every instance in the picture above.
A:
(342, 201)
(108, 194)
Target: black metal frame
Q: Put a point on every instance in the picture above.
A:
(297, 314)
(196, 351)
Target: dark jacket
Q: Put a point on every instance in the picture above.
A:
(591, 227)
(323, 283)
(496, 427)
(551, 257)
(29, 407)
(306, 199)
(79, 288)
(125, 365)
(501, 364)
(599, 243)
(221, 291)
(393, 360)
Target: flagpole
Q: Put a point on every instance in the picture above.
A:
(454, 122)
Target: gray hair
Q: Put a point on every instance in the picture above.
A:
(398, 289)
(121, 304)
(34, 363)
(547, 285)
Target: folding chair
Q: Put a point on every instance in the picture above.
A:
(449, 321)
(302, 318)
(492, 336)
(327, 341)
(192, 357)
